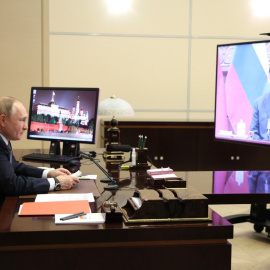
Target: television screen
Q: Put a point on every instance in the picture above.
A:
(63, 114)
(242, 105)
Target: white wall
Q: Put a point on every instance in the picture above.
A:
(20, 52)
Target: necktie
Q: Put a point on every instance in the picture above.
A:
(10, 152)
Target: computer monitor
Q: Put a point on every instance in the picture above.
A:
(242, 105)
(63, 114)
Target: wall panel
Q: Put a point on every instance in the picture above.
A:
(146, 72)
(231, 18)
(151, 17)
(20, 52)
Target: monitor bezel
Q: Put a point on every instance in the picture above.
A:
(67, 139)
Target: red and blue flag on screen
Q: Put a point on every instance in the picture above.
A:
(242, 87)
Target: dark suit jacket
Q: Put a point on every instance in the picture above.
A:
(258, 182)
(261, 114)
(18, 178)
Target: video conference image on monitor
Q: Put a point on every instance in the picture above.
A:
(66, 114)
(242, 111)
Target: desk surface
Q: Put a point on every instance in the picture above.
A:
(33, 234)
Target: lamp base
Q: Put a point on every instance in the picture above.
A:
(114, 136)
(114, 132)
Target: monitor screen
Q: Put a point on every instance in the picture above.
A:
(63, 114)
(242, 105)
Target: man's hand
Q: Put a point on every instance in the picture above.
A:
(67, 181)
(57, 172)
(65, 178)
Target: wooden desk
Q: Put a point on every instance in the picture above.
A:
(36, 242)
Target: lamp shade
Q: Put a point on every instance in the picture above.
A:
(114, 106)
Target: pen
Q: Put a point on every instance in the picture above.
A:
(144, 142)
(141, 146)
(73, 216)
(140, 141)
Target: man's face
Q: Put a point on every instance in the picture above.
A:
(17, 124)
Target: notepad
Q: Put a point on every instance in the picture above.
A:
(165, 176)
(93, 218)
(159, 171)
(52, 208)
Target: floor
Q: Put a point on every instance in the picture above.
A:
(250, 250)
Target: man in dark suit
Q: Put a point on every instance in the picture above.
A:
(18, 178)
(260, 123)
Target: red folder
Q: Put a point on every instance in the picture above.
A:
(52, 208)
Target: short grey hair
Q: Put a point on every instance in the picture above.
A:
(7, 106)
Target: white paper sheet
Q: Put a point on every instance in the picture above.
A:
(64, 197)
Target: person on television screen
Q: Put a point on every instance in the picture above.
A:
(259, 181)
(18, 178)
(260, 122)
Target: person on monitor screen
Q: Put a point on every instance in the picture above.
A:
(19, 178)
(260, 123)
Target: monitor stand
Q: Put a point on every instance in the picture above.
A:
(54, 148)
(69, 148)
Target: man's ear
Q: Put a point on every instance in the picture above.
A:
(2, 120)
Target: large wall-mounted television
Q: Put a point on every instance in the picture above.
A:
(63, 114)
(242, 105)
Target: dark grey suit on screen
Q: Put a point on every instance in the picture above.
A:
(261, 114)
